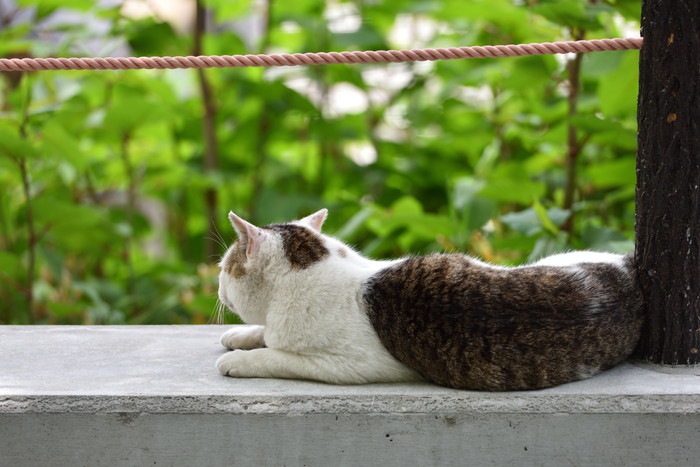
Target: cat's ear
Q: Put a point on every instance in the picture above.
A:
(249, 234)
(316, 220)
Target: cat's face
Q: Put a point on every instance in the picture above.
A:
(261, 257)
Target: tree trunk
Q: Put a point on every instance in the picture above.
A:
(668, 181)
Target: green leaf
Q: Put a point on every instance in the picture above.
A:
(618, 92)
(406, 207)
(526, 222)
(472, 209)
(365, 38)
(13, 145)
(547, 246)
(73, 228)
(570, 13)
(406, 215)
(46, 7)
(149, 37)
(544, 219)
(57, 141)
(606, 239)
(356, 223)
(535, 220)
(72, 4)
(127, 114)
(596, 66)
(10, 265)
(630, 9)
(509, 182)
(226, 9)
(63, 311)
(620, 172)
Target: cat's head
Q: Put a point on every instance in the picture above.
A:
(254, 267)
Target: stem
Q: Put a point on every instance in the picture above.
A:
(4, 230)
(31, 234)
(130, 208)
(573, 146)
(32, 238)
(177, 221)
(211, 148)
(263, 126)
(261, 153)
(324, 143)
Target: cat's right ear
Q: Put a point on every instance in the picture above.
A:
(249, 234)
(316, 220)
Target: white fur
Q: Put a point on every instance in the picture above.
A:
(578, 257)
(244, 337)
(311, 320)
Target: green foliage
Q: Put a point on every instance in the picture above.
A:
(103, 211)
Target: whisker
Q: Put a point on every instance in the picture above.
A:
(218, 315)
(223, 309)
(216, 259)
(219, 238)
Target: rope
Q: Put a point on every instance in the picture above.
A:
(322, 58)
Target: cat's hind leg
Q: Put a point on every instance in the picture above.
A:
(273, 363)
(244, 337)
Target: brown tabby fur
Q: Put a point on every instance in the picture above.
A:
(464, 325)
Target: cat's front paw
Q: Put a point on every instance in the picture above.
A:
(244, 337)
(232, 363)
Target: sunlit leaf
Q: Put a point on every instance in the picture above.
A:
(57, 141)
(10, 265)
(571, 13)
(509, 182)
(618, 91)
(620, 172)
(13, 145)
(544, 219)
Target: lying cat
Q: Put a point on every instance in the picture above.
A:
(324, 312)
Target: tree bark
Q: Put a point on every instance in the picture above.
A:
(668, 181)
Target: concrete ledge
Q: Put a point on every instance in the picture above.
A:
(150, 395)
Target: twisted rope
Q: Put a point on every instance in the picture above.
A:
(322, 58)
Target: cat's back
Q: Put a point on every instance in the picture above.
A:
(462, 323)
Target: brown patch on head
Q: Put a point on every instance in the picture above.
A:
(302, 247)
(342, 252)
(234, 263)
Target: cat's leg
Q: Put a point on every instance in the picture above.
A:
(244, 337)
(273, 363)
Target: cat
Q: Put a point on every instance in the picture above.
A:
(321, 311)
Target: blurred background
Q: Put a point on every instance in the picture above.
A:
(114, 185)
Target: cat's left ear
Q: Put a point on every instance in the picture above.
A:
(316, 220)
(249, 234)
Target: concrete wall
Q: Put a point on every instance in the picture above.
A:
(151, 396)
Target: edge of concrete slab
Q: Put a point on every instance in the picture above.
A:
(170, 369)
